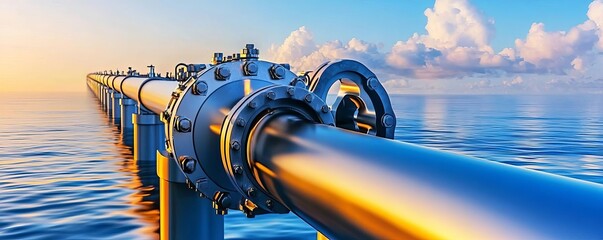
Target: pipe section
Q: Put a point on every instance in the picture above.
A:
(353, 186)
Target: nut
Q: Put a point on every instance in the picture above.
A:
(183, 125)
(222, 73)
(200, 88)
(188, 164)
(250, 69)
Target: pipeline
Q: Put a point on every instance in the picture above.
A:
(250, 135)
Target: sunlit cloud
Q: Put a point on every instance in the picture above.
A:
(457, 44)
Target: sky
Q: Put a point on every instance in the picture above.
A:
(414, 46)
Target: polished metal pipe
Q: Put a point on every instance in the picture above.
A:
(153, 94)
(349, 185)
(156, 95)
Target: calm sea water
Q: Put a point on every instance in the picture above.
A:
(65, 175)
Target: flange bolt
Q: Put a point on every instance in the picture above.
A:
(277, 71)
(188, 164)
(235, 145)
(237, 169)
(251, 191)
(271, 95)
(251, 69)
(325, 108)
(388, 120)
(372, 83)
(222, 73)
(183, 125)
(200, 88)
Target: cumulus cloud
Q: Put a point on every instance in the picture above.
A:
(457, 44)
(298, 45)
(556, 51)
(595, 14)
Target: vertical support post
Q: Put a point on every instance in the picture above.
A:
(102, 97)
(110, 102)
(183, 214)
(128, 107)
(116, 98)
(149, 135)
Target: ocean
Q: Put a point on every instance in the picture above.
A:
(65, 175)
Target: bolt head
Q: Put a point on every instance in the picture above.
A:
(269, 203)
(200, 88)
(271, 95)
(235, 145)
(240, 122)
(252, 104)
(298, 82)
(309, 97)
(222, 73)
(251, 191)
(325, 108)
(184, 125)
(188, 164)
(388, 120)
(277, 71)
(237, 169)
(225, 200)
(251, 68)
(291, 91)
(372, 83)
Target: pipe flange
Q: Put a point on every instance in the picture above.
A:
(362, 104)
(207, 112)
(240, 122)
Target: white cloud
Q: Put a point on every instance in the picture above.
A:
(558, 51)
(298, 45)
(595, 14)
(456, 23)
(457, 44)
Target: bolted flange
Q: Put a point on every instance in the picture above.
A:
(235, 146)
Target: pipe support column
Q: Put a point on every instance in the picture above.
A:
(149, 136)
(183, 214)
(109, 99)
(128, 108)
(116, 115)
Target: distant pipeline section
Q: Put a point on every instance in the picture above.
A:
(251, 135)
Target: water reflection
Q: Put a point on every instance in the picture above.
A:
(144, 182)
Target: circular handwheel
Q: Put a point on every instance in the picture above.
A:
(362, 103)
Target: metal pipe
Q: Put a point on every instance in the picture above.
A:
(153, 94)
(156, 95)
(350, 185)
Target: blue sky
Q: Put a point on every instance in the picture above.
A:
(64, 39)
